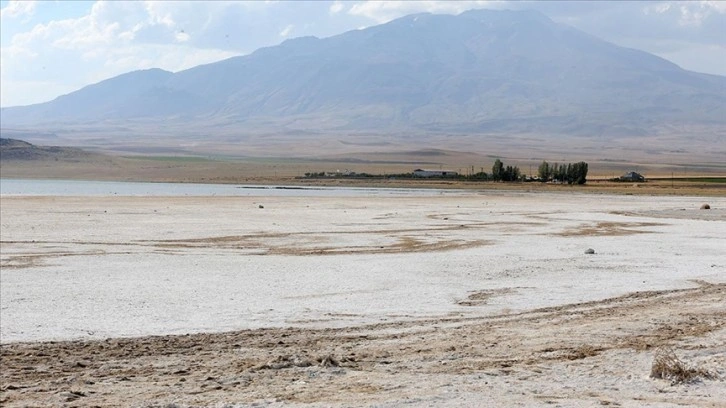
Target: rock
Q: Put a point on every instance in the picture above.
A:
(261, 206)
(705, 207)
(589, 251)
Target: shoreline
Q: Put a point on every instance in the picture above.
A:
(664, 187)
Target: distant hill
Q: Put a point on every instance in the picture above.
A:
(14, 149)
(481, 71)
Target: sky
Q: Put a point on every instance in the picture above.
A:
(50, 48)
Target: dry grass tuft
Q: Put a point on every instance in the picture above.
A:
(583, 351)
(667, 366)
(328, 361)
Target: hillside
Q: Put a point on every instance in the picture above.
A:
(482, 71)
(13, 149)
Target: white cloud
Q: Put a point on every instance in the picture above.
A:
(692, 16)
(694, 13)
(181, 36)
(717, 6)
(14, 51)
(286, 31)
(689, 13)
(385, 11)
(110, 39)
(336, 7)
(658, 8)
(17, 8)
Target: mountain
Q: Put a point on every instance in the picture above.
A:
(482, 71)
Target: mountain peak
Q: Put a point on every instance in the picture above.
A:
(480, 71)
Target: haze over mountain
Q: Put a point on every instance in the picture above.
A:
(482, 71)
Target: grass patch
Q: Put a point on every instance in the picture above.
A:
(707, 179)
(173, 159)
(720, 180)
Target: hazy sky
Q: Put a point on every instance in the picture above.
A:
(50, 48)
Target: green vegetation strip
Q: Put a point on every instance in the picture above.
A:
(175, 159)
(694, 179)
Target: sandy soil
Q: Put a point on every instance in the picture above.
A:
(472, 299)
(589, 354)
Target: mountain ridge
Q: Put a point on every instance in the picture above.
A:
(479, 71)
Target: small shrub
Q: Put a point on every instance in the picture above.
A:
(667, 366)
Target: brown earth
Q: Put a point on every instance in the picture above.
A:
(19, 159)
(589, 354)
(291, 172)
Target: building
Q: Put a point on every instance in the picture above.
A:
(632, 176)
(434, 173)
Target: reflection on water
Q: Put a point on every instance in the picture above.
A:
(122, 188)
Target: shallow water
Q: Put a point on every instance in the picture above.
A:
(23, 187)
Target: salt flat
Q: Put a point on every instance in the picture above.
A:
(92, 268)
(96, 267)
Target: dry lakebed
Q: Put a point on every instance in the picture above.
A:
(407, 298)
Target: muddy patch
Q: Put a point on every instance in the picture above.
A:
(310, 244)
(482, 297)
(609, 229)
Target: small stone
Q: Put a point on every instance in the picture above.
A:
(589, 251)
(261, 206)
(705, 207)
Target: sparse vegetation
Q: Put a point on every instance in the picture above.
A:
(572, 173)
(173, 159)
(667, 366)
(720, 180)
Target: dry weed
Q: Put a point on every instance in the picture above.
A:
(667, 366)
(583, 351)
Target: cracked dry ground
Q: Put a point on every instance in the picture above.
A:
(587, 354)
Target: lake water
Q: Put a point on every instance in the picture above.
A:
(109, 188)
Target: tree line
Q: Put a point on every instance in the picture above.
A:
(572, 173)
(508, 173)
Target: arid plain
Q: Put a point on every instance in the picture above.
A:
(388, 298)
(163, 243)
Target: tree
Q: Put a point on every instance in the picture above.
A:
(544, 171)
(579, 173)
(570, 175)
(479, 176)
(562, 173)
(511, 173)
(497, 170)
